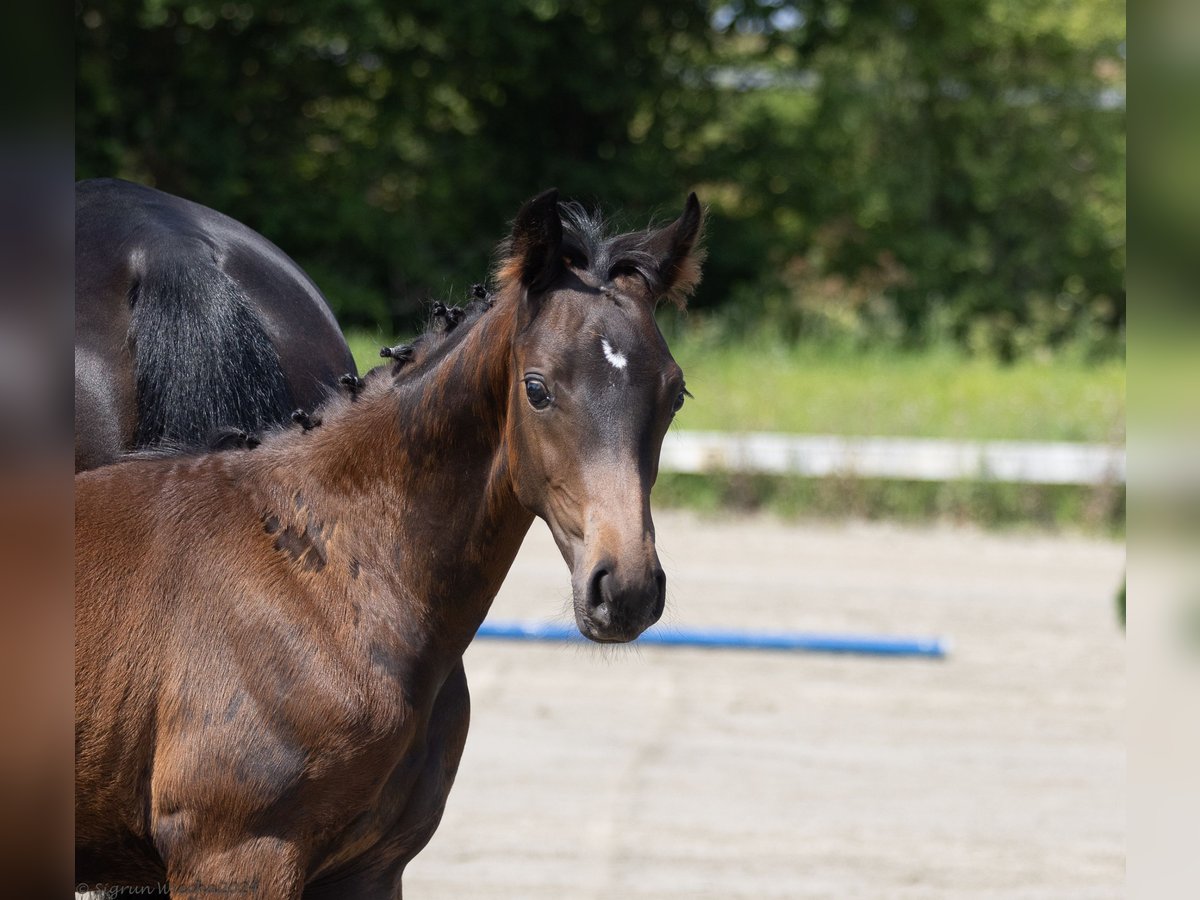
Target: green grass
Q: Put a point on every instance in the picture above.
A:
(938, 393)
(934, 393)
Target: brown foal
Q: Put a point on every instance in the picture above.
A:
(270, 698)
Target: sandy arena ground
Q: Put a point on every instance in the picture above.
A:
(682, 773)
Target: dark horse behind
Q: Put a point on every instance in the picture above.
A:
(270, 696)
(186, 323)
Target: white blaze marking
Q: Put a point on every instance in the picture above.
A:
(615, 357)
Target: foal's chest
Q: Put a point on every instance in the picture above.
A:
(395, 825)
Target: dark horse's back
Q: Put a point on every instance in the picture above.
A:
(187, 322)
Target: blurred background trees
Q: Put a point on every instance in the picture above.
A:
(877, 172)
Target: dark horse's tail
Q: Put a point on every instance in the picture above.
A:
(201, 356)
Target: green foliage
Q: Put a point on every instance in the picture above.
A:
(386, 142)
(956, 164)
(877, 172)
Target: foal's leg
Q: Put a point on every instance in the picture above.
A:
(260, 868)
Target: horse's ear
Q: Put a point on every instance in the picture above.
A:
(532, 255)
(677, 248)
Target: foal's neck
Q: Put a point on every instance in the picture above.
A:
(413, 477)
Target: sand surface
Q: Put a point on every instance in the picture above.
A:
(686, 773)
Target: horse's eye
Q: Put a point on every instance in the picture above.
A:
(535, 390)
(678, 404)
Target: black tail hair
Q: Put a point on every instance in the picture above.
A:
(201, 356)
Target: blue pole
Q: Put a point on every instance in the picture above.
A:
(726, 638)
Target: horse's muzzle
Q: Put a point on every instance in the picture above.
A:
(616, 609)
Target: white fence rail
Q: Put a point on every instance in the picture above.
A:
(916, 459)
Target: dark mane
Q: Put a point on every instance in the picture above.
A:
(584, 231)
(446, 325)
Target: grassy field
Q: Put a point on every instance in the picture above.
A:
(816, 390)
(931, 394)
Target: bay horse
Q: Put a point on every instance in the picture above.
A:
(187, 322)
(270, 696)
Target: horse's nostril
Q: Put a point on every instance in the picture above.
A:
(660, 602)
(596, 594)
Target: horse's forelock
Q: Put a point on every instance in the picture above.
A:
(592, 235)
(588, 232)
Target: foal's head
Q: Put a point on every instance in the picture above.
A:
(594, 389)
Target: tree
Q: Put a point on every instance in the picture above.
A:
(385, 145)
(885, 170)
